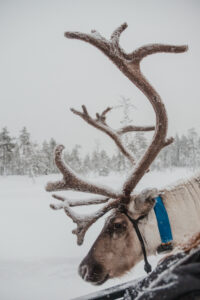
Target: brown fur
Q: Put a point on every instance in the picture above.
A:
(189, 245)
(194, 242)
(116, 249)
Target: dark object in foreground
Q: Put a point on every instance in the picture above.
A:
(165, 248)
(176, 278)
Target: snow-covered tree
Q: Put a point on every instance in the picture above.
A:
(6, 152)
(73, 159)
(193, 147)
(26, 153)
(87, 164)
(104, 163)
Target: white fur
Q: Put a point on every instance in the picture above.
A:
(182, 202)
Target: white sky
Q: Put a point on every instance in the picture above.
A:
(43, 74)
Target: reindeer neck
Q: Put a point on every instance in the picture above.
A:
(182, 202)
(150, 233)
(183, 205)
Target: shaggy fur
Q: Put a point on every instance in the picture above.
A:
(117, 248)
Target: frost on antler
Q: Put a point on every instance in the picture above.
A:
(130, 128)
(78, 202)
(100, 123)
(142, 52)
(113, 50)
(84, 221)
(129, 65)
(71, 181)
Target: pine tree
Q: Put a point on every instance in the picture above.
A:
(128, 138)
(25, 152)
(193, 144)
(104, 163)
(46, 157)
(87, 164)
(140, 142)
(6, 152)
(184, 151)
(74, 159)
(52, 145)
(95, 161)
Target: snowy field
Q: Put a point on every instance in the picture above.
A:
(39, 256)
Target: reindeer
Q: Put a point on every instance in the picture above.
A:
(119, 247)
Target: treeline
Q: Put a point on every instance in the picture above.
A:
(20, 156)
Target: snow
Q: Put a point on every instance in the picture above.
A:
(39, 256)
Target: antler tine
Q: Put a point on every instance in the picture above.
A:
(102, 116)
(71, 181)
(108, 47)
(130, 128)
(142, 52)
(129, 65)
(106, 111)
(115, 46)
(100, 124)
(93, 38)
(78, 202)
(117, 32)
(84, 221)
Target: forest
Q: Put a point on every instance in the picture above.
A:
(21, 156)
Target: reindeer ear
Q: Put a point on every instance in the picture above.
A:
(149, 193)
(145, 201)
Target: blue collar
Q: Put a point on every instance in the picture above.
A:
(163, 221)
(163, 226)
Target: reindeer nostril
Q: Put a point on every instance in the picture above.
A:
(83, 271)
(92, 272)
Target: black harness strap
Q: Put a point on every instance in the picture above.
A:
(147, 266)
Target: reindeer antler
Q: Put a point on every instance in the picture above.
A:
(84, 221)
(72, 181)
(100, 123)
(129, 65)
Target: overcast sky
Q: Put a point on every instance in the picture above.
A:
(43, 74)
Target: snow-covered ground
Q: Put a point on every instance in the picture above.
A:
(39, 256)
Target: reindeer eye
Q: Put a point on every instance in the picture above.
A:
(119, 226)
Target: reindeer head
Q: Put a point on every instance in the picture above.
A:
(114, 252)
(117, 248)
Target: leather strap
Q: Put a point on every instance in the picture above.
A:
(147, 266)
